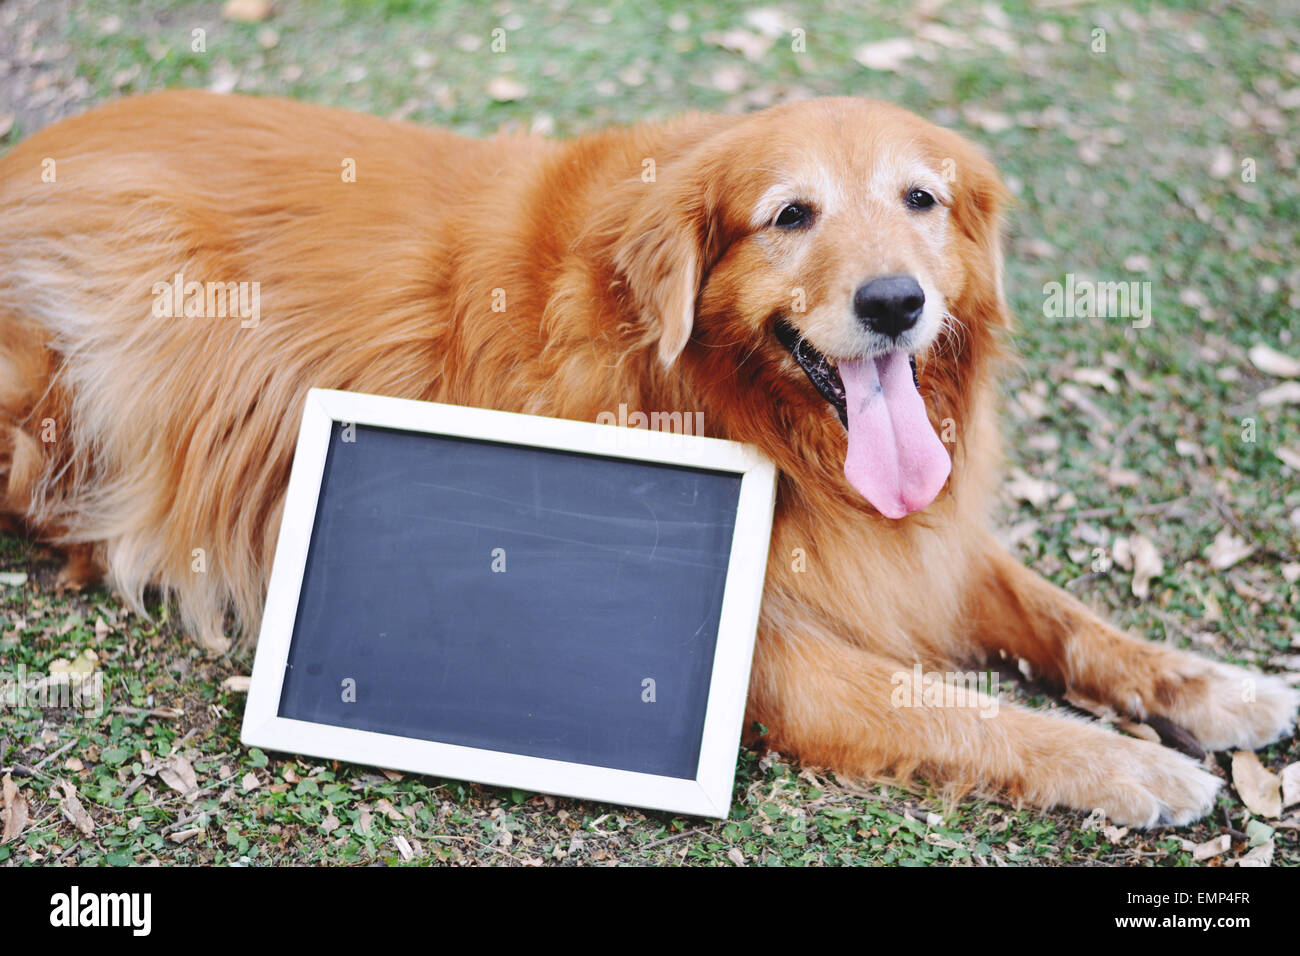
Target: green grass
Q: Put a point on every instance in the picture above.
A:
(1110, 157)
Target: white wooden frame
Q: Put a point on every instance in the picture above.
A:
(709, 794)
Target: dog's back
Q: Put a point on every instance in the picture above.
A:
(147, 413)
(116, 405)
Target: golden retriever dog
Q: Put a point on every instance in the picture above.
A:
(820, 279)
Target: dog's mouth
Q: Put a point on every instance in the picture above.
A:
(895, 460)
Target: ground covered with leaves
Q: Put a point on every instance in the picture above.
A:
(1152, 458)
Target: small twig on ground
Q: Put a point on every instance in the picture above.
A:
(1232, 831)
(164, 713)
(675, 836)
(50, 757)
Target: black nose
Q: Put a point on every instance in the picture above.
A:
(890, 305)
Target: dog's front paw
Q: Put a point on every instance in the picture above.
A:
(1146, 785)
(1226, 707)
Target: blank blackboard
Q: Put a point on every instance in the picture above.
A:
(518, 600)
(477, 593)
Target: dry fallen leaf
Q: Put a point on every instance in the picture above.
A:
(214, 645)
(1222, 163)
(729, 79)
(236, 683)
(990, 121)
(1034, 406)
(1272, 362)
(1212, 848)
(1291, 785)
(13, 808)
(768, 21)
(505, 89)
(1123, 478)
(1096, 377)
(178, 774)
(1288, 393)
(945, 37)
(403, 847)
(1260, 790)
(1288, 456)
(1146, 565)
(80, 666)
(246, 11)
(1228, 549)
(73, 811)
(249, 782)
(1260, 856)
(1034, 491)
(1035, 248)
(885, 54)
(1194, 298)
(1122, 553)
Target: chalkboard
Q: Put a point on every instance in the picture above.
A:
(541, 599)
(477, 593)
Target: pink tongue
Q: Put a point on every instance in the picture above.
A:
(895, 459)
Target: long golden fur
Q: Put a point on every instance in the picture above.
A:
(636, 266)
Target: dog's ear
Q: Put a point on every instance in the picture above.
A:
(960, 371)
(979, 199)
(663, 252)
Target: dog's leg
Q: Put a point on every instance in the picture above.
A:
(834, 705)
(1014, 610)
(82, 568)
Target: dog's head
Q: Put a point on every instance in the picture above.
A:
(819, 254)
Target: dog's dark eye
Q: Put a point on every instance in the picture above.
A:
(793, 216)
(919, 199)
